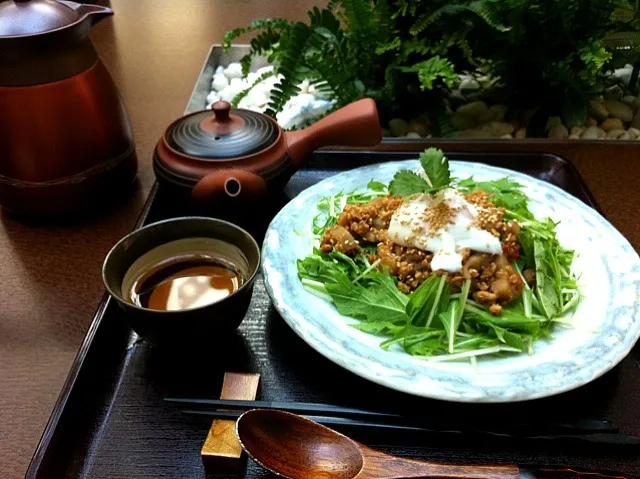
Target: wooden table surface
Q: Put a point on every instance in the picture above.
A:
(50, 276)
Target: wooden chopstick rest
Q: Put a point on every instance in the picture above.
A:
(221, 449)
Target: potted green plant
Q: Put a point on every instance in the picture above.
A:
(475, 69)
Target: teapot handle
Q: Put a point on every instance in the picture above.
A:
(221, 184)
(356, 124)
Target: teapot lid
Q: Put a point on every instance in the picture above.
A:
(30, 17)
(228, 133)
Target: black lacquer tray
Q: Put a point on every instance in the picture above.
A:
(111, 422)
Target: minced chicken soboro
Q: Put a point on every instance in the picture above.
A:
(494, 282)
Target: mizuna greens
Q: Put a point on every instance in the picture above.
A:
(431, 321)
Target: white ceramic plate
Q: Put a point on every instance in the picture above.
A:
(607, 320)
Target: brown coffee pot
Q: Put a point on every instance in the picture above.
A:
(66, 144)
(240, 155)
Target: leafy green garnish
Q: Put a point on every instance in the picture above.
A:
(380, 300)
(504, 192)
(540, 249)
(427, 299)
(330, 207)
(436, 168)
(436, 175)
(407, 183)
(377, 186)
(547, 278)
(427, 322)
(431, 321)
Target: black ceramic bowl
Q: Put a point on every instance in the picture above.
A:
(202, 323)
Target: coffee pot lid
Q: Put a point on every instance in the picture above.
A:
(30, 17)
(225, 133)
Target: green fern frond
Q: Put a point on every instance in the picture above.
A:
(321, 85)
(414, 47)
(429, 18)
(441, 122)
(260, 24)
(326, 28)
(447, 130)
(245, 92)
(574, 109)
(324, 18)
(382, 21)
(291, 59)
(333, 5)
(245, 62)
(562, 73)
(594, 57)
(389, 47)
(260, 44)
(467, 52)
(343, 88)
(486, 10)
(406, 8)
(359, 16)
(328, 63)
(433, 69)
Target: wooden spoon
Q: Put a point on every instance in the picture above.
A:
(297, 448)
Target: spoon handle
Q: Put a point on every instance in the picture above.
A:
(382, 466)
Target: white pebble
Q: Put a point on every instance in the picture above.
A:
(234, 70)
(320, 95)
(258, 97)
(230, 92)
(263, 89)
(252, 77)
(304, 86)
(238, 83)
(261, 71)
(320, 107)
(212, 97)
(269, 82)
(302, 102)
(469, 83)
(623, 74)
(290, 118)
(219, 82)
(246, 103)
(308, 105)
(219, 70)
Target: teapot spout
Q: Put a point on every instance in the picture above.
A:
(95, 12)
(356, 124)
(239, 185)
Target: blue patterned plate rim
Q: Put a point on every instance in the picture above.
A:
(575, 358)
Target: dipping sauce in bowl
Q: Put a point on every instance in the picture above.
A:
(185, 282)
(184, 279)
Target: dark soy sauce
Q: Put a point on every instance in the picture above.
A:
(185, 283)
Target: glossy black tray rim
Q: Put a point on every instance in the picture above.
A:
(54, 422)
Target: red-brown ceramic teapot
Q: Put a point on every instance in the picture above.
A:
(237, 153)
(65, 139)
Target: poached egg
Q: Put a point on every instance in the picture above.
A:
(443, 224)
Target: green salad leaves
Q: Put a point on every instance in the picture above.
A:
(436, 175)
(432, 321)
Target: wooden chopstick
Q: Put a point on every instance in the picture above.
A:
(597, 438)
(581, 426)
